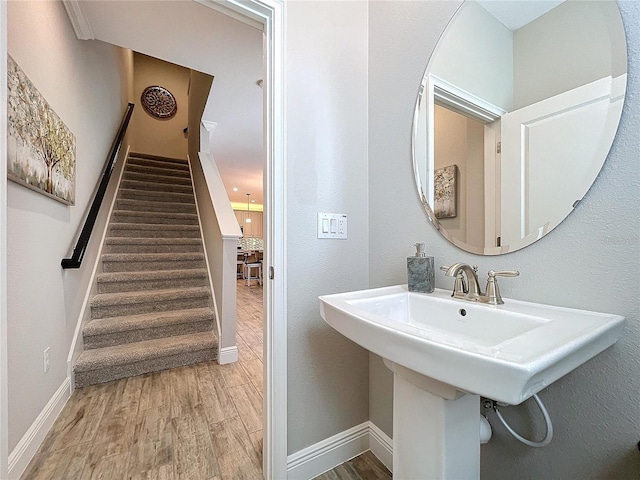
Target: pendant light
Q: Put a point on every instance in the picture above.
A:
(248, 219)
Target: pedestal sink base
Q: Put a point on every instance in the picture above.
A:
(433, 437)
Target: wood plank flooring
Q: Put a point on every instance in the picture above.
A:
(362, 467)
(203, 422)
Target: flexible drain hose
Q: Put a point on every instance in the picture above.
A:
(545, 441)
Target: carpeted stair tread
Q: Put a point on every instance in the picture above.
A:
(135, 168)
(153, 226)
(135, 216)
(110, 331)
(154, 206)
(130, 281)
(134, 322)
(152, 241)
(154, 163)
(157, 176)
(148, 186)
(134, 352)
(151, 275)
(153, 230)
(151, 257)
(157, 196)
(100, 365)
(129, 262)
(117, 304)
(128, 298)
(152, 245)
(164, 160)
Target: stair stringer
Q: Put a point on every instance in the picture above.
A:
(212, 297)
(219, 218)
(77, 343)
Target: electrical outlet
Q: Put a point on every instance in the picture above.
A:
(45, 359)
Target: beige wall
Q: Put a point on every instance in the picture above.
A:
(81, 80)
(152, 135)
(326, 152)
(460, 140)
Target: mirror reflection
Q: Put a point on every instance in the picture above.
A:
(517, 111)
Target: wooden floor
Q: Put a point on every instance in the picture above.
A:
(198, 422)
(362, 467)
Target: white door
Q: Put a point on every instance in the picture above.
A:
(542, 145)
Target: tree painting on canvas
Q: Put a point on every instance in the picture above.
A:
(41, 150)
(445, 192)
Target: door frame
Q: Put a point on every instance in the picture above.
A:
(270, 13)
(4, 394)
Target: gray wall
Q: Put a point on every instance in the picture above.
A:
(326, 88)
(84, 82)
(590, 261)
(568, 47)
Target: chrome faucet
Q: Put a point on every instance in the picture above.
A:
(470, 289)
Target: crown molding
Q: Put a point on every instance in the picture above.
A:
(79, 21)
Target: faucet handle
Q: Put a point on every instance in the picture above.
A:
(493, 291)
(444, 268)
(504, 273)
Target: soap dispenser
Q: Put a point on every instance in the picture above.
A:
(420, 271)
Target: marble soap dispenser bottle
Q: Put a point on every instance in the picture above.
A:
(420, 271)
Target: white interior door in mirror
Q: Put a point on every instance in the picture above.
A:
(544, 145)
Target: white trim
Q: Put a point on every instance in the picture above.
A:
(270, 13)
(28, 445)
(79, 22)
(275, 215)
(85, 309)
(342, 447)
(4, 388)
(227, 8)
(459, 100)
(381, 445)
(329, 453)
(228, 355)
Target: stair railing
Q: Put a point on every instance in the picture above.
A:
(83, 240)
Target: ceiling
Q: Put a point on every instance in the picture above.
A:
(516, 14)
(198, 37)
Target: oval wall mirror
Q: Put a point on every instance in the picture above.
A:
(516, 114)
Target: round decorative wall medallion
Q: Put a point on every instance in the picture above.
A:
(159, 102)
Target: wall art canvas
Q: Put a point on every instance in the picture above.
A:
(445, 191)
(41, 150)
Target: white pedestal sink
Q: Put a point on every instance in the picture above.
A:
(446, 353)
(443, 439)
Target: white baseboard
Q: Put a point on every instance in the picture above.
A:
(28, 445)
(331, 452)
(381, 446)
(228, 355)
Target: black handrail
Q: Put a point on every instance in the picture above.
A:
(85, 234)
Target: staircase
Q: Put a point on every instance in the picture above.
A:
(152, 308)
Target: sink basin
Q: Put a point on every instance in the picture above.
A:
(504, 352)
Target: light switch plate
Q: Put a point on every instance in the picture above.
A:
(332, 225)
